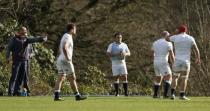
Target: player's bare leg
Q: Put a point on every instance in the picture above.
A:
(72, 79)
(58, 84)
(174, 84)
(183, 85)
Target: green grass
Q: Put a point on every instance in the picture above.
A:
(46, 103)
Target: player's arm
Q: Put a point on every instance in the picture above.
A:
(171, 56)
(126, 53)
(197, 53)
(171, 53)
(65, 50)
(42, 38)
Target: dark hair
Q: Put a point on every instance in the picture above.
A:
(116, 34)
(70, 26)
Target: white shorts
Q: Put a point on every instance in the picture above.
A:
(119, 70)
(65, 67)
(162, 69)
(180, 65)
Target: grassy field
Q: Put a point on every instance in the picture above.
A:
(46, 103)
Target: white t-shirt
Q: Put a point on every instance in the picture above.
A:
(161, 49)
(68, 39)
(183, 44)
(116, 48)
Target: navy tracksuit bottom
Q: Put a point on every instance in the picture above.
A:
(19, 77)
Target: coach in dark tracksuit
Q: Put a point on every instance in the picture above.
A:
(19, 46)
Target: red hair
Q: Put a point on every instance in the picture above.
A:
(182, 29)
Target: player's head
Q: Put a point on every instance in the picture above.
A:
(22, 31)
(165, 34)
(118, 37)
(71, 28)
(182, 29)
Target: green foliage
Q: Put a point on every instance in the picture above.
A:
(46, 59)
(5, 72)
(42, 70)
(92, 81)
(7, 30)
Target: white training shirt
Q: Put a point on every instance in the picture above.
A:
(68, 39)
(116, 48)
(161, 49)
(183, 44)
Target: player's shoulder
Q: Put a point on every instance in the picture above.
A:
(66, 36)
(124, 44)
(176, 37)
(111, 43)
(161, 40)
(190, 37)
(156, 41)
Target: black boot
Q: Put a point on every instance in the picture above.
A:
(79, 97)
(57, 97)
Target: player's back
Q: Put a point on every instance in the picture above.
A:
(161, 49)
(183, 44)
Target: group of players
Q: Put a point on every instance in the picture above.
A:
(117, 51)
(180, 62)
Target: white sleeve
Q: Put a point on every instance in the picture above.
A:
(170, 46)
(172, 38)
(65, 41)
(65, 38)
(127, 49)
(109, 48)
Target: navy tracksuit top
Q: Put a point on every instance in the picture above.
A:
(19, 46)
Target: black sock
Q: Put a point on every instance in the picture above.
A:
(182, 94)
(57, 95)
(156, 89)
(125, 86)
(172, 91)
(166, 88)
(116, 86)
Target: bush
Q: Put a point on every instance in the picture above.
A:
(92, 81)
